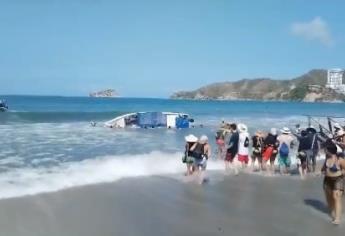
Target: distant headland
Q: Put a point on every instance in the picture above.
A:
(104, 93)
(317, 85)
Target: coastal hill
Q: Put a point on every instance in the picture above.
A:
(309, 87)
(104, 93)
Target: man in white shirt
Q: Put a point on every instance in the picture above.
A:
(243, 145)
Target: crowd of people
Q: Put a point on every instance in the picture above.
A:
(262, 149)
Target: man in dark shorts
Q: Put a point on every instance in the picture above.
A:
(271, 146)
(315, 147)
(232, 148)
(304, 152)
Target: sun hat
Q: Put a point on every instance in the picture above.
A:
(286, 130)
(203, 139)
(273, 131)
(242, 128)
(258, 133)
(191, 138)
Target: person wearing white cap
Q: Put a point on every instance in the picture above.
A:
(286, 143)
(201, 152)
(188, 155)
(243, 145)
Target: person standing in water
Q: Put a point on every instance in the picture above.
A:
(243, 145)
(333, 183)
(188, 158)
(304, 152)
(315, 147)
(220, 140)
(232, 148)
(201, 152)
(285, 145)
(271, 145)
(258, 144)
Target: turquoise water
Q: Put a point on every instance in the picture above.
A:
(47, 143)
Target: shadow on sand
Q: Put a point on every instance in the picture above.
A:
(317, 204)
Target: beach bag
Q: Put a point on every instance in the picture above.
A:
(246, 142)
(184, 159)
(284, 150)
(257, 151)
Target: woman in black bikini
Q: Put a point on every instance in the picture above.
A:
(333, 184)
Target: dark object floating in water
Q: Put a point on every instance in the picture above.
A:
(147, 120)
(3, 105)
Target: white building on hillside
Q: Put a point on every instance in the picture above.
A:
(335, 80)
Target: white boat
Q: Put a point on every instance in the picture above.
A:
(151, 120)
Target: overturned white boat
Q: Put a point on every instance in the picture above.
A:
(151, 120)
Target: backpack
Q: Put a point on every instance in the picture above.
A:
(284, 150)
(198, 151)
(246, 142)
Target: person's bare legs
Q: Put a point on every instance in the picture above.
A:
(301, 171)
(337, 194)
(219, 152)
(189, 169)
(272, 168)
(330, 201)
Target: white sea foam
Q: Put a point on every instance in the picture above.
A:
(28, 181)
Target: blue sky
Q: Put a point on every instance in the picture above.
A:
(153, 48)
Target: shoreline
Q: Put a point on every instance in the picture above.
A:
(255, 100)
(168, 205)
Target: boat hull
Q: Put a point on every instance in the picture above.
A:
(150, 120)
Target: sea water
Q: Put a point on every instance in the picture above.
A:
(47, 143)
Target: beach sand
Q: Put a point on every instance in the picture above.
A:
(155, 206)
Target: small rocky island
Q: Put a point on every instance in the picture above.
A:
(104, 93)
(310, 87)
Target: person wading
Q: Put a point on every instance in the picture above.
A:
(201, 152)
(270, 151)
(232, 149)
(188, 158)
(285, 145)
(258, 144)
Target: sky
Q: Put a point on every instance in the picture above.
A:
(154, 48)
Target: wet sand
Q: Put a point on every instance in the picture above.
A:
(155, 206)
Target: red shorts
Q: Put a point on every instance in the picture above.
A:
(243, 158)
(220, 142)
(229, 157)
(267, 153)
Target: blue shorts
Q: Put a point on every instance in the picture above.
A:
(198, 162)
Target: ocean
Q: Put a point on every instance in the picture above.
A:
(47, 143)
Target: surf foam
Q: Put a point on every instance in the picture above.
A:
(28, 181)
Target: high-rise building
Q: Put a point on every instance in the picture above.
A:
(335, 80)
